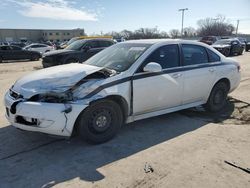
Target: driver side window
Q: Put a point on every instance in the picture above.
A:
(167, 56)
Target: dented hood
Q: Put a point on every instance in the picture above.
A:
(56, 79)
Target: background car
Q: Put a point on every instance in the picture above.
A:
(64, 45)
(209, 39)
(4, 43)
(248, 46)
(20, 44)
(229, 46)
(17, 53)
(78, 51)
(42, 48)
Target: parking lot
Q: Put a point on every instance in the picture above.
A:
(184, 149)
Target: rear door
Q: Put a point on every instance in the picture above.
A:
(161, 90)
(199, 74)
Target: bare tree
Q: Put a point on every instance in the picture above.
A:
(174, 33)
(142, 33)
(189, 32)
(216, 27)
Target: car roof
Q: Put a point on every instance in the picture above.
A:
(165, 41)
(230, 39)
(37, 44)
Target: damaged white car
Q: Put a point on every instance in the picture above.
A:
(126, 82)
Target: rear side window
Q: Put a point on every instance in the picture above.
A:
(167, 56)
(106, 43)
(94, 44)
(213, 57)
(194, 54)
(15, 48)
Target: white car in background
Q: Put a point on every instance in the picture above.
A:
(42, 48)
(126, 82)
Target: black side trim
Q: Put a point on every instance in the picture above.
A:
(104, 86)
(145, 75)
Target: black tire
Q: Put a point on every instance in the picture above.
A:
(241, 52)
(1, 60)
(227, 52)
(218, 97)
(100, 122)
(35, 57)
(46, 65)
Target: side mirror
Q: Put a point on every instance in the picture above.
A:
(152, 67)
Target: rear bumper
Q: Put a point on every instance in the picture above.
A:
(43, 117)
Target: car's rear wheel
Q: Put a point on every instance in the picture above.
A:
(1, 60)
(100, 122)
(35, 57)
(217, 98)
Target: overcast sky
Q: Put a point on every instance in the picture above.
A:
(97, 16)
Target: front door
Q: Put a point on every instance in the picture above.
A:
(157, 91)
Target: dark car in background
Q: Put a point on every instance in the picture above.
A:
(209, 39)
(16, 53)
(247, 45)
(20, 44)
(78, 51)
(229, 46)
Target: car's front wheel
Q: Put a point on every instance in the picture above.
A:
(217, 98)
(241, 52)
(227, 52)
(100, 122)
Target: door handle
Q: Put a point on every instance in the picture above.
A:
(176, 75)
(211, 70)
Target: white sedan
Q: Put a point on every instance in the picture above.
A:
(42, 48)
(126, 82)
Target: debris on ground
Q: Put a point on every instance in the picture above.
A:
(148, 168)
(247, 170)
(235, 112)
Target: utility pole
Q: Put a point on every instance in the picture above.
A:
(182, 10)
(237, 27)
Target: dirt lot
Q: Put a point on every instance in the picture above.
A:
(184, 149)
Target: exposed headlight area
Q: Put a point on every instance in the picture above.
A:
(51, 98)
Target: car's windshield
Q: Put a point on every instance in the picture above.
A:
(223, 42)
(71, 41)
(77, 45)
(118, 57)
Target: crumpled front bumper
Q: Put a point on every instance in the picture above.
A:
(48, 118)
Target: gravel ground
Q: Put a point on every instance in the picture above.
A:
(183, 149)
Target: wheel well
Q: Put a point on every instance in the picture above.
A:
(121, 102)
(71, 59)
(226, 81)
(116, 98)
